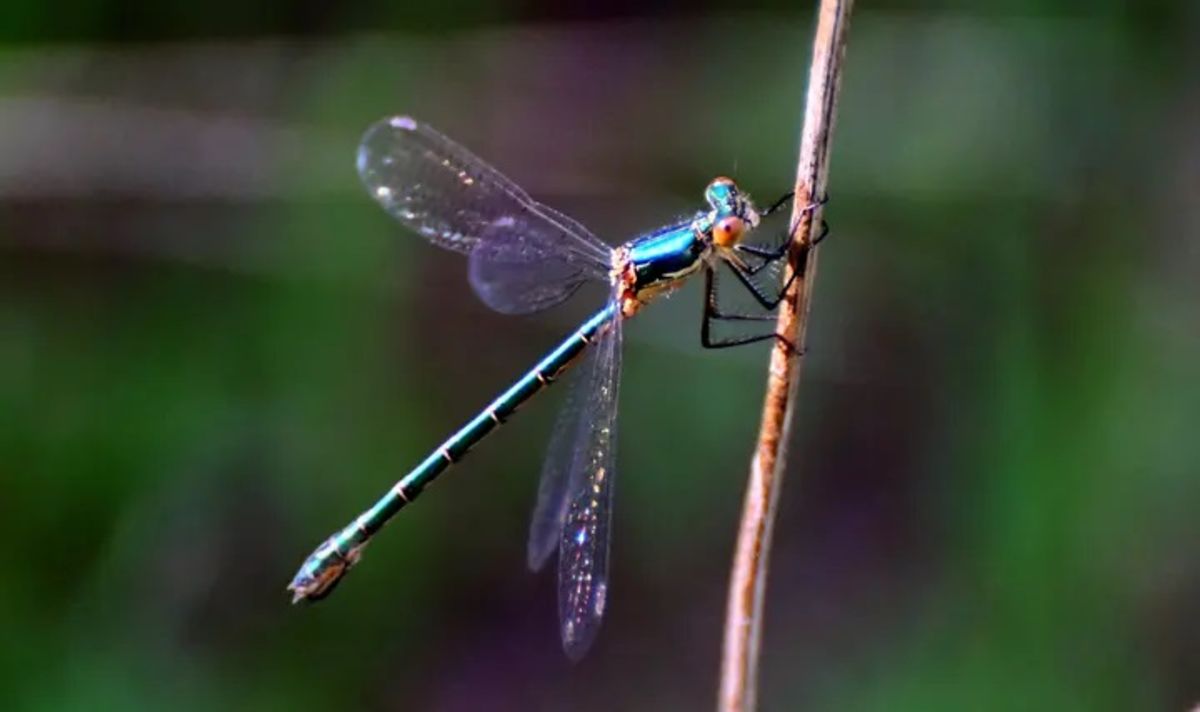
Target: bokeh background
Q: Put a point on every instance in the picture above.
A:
(215, 349)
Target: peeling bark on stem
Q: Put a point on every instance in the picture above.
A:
(743, 614)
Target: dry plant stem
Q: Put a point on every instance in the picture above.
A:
(743, 614)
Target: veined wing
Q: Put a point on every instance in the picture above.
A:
(587, 511)
(456, 200)
(518, 266)
(555, 484)
(562, 470)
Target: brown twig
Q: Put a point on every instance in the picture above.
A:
(743, 613)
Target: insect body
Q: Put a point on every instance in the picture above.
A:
(522, 257)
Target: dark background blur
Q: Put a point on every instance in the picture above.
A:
(215, 348)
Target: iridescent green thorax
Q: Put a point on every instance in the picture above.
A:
(667, 255)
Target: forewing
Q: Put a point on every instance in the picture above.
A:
(452, 197)
(584, 538)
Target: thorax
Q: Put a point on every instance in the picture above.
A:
(657, 263)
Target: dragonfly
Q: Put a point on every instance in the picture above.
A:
(524, 257)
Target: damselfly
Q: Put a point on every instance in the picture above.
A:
(523, 257)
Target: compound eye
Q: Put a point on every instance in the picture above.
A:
(721, 193)
(728, 231)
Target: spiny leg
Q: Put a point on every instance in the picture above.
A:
(713, 313)
(788, 196)
(713, 307)
(768, 303)
(778, 203)
(769, 255)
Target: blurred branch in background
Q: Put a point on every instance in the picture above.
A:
(748, 580)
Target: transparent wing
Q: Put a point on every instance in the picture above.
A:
(584, 535)
(517, 268)
(554, 484)
(457, 201)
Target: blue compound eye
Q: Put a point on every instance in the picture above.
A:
(721, 194)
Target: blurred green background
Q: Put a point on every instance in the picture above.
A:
(215, 349)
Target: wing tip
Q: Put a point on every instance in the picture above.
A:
(576, 644)
(535, 558)
(404, 123)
